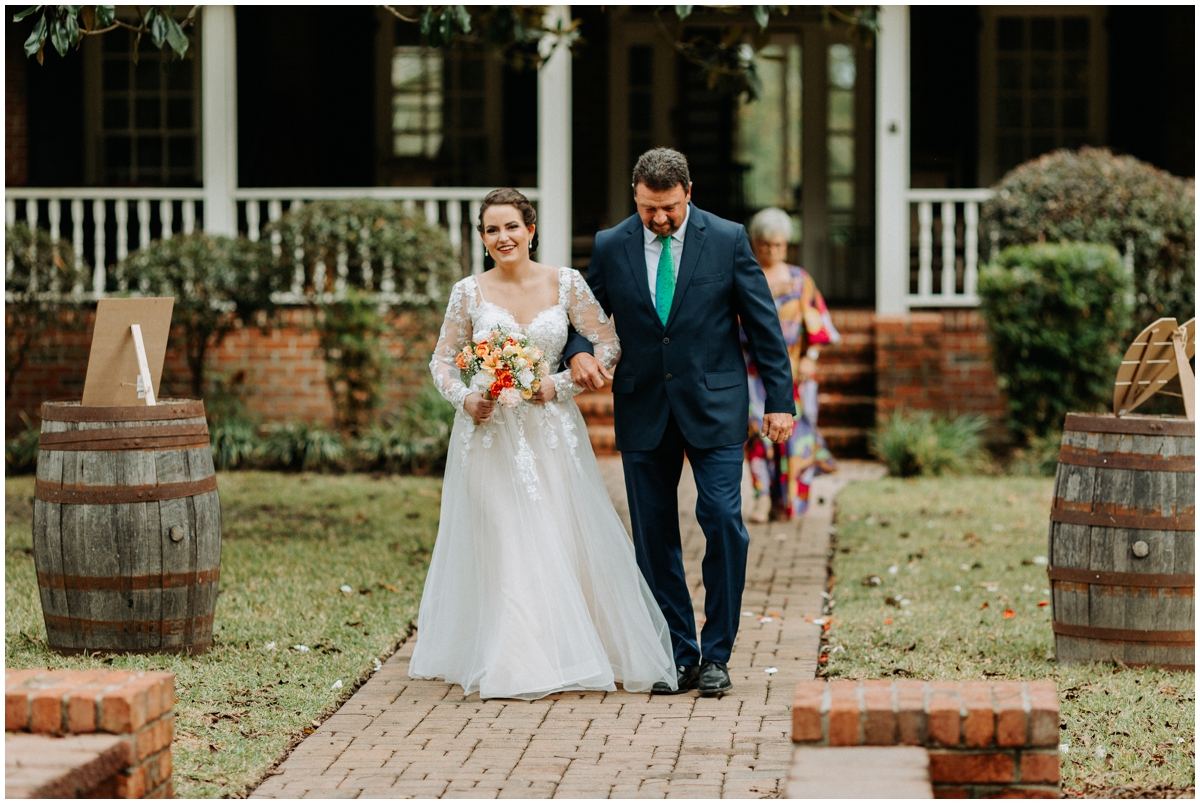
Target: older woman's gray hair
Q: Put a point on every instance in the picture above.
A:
(770, 223)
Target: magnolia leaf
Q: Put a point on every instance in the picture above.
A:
(176, 38)
(105, 15)
(89, 18)
(447, 25)
(683, 12)
(427, 21)
(464, 18)
(762, 15)
(38, 36)
(158, 28)
(23, 14)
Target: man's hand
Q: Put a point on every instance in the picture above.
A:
(778, 426)
(589, 372)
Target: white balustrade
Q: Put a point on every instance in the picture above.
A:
(959, 257)
(105, 225)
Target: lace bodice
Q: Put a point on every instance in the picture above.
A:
(468, 312)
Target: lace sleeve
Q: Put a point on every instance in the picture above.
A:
(456, 332)
(590, 321)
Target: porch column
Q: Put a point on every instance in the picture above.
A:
(218, 115)
(554, 149)
(892, 161)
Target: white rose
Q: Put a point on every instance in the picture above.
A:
(525, 378)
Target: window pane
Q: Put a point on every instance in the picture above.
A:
(1010, 111)
(116, 152)
(116, 75)
(1041, 74)
(148, 73)
(182, 152)
(149, 153)
(1075, 112)
(1010, 152)
(639, 111)
(116, 113)
(841, 155)
(1010, 33)
(409, 145)
(1041, 33)
(1041, 145)
(1041, 113)
(179, 113)
(1075, 33)
(841, 194)
(842, 70)
(841, 110)
(149, 113)
(641, 66)
(1010, 73)
(179, 74)
(1074, 74)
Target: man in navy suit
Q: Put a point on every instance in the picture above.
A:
(676, 281)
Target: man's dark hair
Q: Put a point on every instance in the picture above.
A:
(661, 169)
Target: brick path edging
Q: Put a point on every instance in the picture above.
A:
(135, 706)
(983, 738)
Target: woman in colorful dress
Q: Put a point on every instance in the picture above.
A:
(782, 474)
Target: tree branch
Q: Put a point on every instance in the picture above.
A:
(401, 16)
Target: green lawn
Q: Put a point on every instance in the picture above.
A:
(290, 543)
(942, 579)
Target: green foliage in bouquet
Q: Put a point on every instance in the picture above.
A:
(44, 289)
(1057, 317)
(417, 441)
(922, 444)
(219, 283)
(1092, 196)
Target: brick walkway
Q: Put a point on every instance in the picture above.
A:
(422, 739)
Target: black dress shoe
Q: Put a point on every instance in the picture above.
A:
(687, 677)
(714, 679)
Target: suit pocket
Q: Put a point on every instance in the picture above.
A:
(704, 279)
(622, 385)
(716, 380)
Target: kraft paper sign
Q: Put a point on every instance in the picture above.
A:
(113, 377)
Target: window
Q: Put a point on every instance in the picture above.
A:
(641, 101)
(149, 126)
(416, 102)
(842, 74)
(1042, 85)
(768, 145)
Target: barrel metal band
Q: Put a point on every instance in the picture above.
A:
(1129, 425)
(114, 629)
(1139, 579)
(135, 583)
(1078, 456)
(116, 495)
(165, 410)
(1100, 519)
(1171, 639)
(128, 438)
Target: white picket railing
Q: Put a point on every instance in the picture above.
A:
(937, 215)
(105, 224)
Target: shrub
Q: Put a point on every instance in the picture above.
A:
(235, 443)
(355, 364)
(43, 287)
(417, 441)
(218, 283)
(1057, 317)
(922, 444)
(1039, 458)
(303, 447)
(1092, 196)
(21, 451)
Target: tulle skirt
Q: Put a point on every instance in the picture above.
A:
(533, 587)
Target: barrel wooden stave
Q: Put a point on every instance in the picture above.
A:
(1138, 492)
(116, 560)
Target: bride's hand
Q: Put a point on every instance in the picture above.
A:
(480, 409)
(545, 392)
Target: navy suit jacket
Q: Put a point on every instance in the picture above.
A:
(693, 367)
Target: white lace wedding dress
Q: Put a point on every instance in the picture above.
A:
(533, 587)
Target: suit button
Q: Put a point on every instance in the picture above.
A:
(668, 376)
(666, 340)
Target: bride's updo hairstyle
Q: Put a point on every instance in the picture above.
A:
(510, 197)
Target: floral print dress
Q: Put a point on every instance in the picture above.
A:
(785, 471)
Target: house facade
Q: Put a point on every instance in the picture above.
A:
(881, 152)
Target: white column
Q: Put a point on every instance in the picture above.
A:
(891, 161)
(554, 149)
(218, 62)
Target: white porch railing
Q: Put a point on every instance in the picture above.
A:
(104, 225)
(944, 273)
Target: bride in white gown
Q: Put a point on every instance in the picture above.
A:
(533, 587)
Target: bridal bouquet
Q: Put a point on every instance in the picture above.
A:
(506, 368)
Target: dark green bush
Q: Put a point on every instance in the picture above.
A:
(1092, 196)
(235, 444)
(303, 447)
(1057, 317)
(416, 441)
(922, 444)
(219, 283)
(21, 451)
(351, 330)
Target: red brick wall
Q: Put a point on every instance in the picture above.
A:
(280, 371)
(936, 361)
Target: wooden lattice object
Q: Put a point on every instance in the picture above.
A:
(1159, 354)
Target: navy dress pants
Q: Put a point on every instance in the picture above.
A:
(652, 484)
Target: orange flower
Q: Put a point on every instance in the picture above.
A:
(461, 360)
(506, 379)
(481, 349)
(495, 389)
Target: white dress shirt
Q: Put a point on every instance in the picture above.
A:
(654, 250)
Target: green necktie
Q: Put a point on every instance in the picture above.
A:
(664, 285)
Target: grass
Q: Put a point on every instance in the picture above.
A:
(925, 573)
(289, 544)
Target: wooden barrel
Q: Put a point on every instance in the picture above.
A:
(127, 528)
(1123, 541)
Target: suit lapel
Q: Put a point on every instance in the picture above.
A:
(693, 244)
(635, 254)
